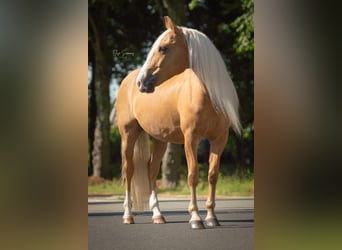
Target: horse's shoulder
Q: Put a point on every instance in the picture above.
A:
(194, 84)
(193, 96)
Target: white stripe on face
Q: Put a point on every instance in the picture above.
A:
(143, 70)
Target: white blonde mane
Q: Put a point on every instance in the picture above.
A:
(207, 63)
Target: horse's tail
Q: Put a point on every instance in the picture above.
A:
(140, 185)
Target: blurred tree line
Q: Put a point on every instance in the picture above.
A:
(120, 35)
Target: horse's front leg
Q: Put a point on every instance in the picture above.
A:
(190, 147)
(159, 148)
(127, 147)
(216, 148)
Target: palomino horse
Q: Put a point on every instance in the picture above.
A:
(182, 94)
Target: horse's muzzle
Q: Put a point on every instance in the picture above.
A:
(146, 85)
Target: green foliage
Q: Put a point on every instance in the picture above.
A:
(244, 28)
(115, 138)
(247, 132)
(115, 156)
(192, 5)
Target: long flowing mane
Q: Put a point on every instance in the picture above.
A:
(207, 63)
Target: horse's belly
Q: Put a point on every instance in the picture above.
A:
(166, 134)
(164, 126)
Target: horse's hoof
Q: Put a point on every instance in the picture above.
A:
(196, 224)
(158, 220)
(128, 220)
(212, 222)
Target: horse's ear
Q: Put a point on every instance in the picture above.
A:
(170, 25)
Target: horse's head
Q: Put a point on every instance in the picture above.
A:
(168, 57)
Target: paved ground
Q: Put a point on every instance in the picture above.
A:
(106, 231)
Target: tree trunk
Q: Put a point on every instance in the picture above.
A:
(91, 123)
(102, 73)
(101, 144)
(170, 165)
(96, 152)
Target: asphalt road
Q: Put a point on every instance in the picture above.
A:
(106, 231)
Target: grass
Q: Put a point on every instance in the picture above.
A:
(106, 187)
(227, 186)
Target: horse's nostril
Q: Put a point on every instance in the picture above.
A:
(139, 84)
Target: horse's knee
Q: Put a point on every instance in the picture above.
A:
(212, 176)
(192, 179)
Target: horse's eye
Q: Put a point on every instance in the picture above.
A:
(162, 49)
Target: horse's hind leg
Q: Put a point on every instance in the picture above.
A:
(216, 148)
(159, 148)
